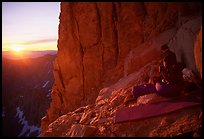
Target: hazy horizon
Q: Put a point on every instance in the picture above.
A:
(27, 54)
(28, 50)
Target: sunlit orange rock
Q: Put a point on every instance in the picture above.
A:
(198, 52)
(99, 43)
(98, 119)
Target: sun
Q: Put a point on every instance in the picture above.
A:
(17, 49)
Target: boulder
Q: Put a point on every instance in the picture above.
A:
(182, 44)
(78, 130)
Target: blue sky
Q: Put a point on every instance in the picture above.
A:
(30, 25)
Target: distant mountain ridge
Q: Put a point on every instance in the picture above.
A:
(27, 54)
(26, 94)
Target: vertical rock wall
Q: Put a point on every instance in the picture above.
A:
(95, 39)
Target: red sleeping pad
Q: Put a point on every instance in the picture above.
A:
(156, 109)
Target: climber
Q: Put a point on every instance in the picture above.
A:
(171, 80)
(168, 84)
(168, 56)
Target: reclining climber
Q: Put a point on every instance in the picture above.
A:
(169, 84)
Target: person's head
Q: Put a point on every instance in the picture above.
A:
(164, 47)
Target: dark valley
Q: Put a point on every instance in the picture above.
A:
(26, 90)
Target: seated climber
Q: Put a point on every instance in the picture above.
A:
(170, 82)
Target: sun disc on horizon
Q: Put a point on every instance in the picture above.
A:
(17, 49)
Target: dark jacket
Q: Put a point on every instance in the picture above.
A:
(173, 75)
(173, 71)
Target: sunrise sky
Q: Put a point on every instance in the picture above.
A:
(30, 25)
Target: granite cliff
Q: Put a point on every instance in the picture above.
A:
(101, 44)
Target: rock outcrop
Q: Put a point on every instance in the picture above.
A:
(102, 42)
(98, 119)
(183, 42)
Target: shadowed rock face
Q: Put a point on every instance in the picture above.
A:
(101, 42)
